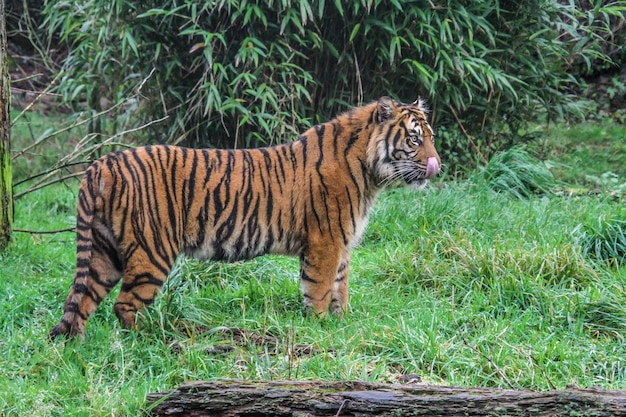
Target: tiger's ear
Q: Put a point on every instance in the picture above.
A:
(421, 104)
(385, 108)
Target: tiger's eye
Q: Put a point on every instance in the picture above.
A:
(415, 140)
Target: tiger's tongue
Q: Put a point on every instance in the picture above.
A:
(432, 167)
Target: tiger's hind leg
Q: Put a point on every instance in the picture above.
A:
(143, 276)
(95, 277)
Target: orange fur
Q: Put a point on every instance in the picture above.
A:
(139, 209)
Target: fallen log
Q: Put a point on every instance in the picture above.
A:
(233, 398)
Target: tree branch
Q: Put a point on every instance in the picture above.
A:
(45, 232)
(467, 135)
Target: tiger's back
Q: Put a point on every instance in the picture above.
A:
(139, 209)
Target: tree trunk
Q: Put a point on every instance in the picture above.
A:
(313, 399)
(6, 187)
(6, 192)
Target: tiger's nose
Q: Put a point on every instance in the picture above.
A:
(432, 167)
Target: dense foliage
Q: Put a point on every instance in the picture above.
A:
(244, 73)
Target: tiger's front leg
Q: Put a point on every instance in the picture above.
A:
(318, 273)
(339, 302)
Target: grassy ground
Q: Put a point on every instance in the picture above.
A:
(459, 285)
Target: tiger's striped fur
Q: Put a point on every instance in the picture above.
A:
(139, 209)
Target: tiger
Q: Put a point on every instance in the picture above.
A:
(140, 208)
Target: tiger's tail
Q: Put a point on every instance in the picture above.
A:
(74, 316)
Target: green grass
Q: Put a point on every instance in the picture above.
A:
(589, 155)
(462, 285)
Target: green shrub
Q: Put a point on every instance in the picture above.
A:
(246, 73)
(605, 240)
(517, 173)
(607, 316)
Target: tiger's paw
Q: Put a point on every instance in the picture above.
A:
(65, 328)
(338, 308)
(125, 314)
(309, 310)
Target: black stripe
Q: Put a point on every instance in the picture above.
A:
(305, 277)
(141, 279)
(170, 197)
(326, 294)
(189, 189)
(313, 210)
(337, 130)
(351, 206)
(128, 307)
(202, 218)
(269, 206)
(294, 161)
(82, 263)
(279, 165)
(225, 230)
(75, 309)
(82, 225)
(83, 247)
(341, 228)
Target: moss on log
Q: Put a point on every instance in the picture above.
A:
(6, 188)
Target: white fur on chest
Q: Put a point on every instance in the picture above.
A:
(361, 223)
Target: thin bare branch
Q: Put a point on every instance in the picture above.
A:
(49, 171)
(46, 91)
(467, 135)
(89, 119)
(45, 184)
(358, 77)
(70, 159)
(136, 129)
(45, 232)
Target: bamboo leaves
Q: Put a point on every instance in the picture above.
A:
(487, 68)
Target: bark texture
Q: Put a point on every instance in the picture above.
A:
(312, 399)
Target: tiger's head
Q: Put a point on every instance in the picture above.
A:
(402, 146)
